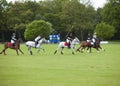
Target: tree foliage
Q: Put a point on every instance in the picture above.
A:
(64, 15)
(111, 15)
(37, 27)
(104, 30)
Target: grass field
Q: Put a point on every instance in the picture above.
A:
(47, 69)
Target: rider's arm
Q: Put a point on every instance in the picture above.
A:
(13, 38)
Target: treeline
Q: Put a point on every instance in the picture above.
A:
(64, 15)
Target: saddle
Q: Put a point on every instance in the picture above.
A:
(10, 45)
(66, 44)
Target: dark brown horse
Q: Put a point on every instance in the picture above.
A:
(15, 47)
(89, 45)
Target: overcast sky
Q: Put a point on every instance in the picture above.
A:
(98, 3)
(95, 3)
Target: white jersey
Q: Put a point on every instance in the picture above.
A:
(13, 39)
(94, 38)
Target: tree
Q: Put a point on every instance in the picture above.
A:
(79, 17)
(3, 18)
(37, 27)
(111, 15)
(19, 16)
(104, 30)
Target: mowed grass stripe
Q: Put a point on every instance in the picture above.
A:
(47, 69)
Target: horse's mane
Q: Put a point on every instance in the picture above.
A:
(18, 40)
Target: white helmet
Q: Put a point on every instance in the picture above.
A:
(95, 33)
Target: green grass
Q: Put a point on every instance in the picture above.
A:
(47, 69)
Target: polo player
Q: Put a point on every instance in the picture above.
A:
(37, 39)
(13, 39)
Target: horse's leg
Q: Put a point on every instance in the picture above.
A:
(43, 49)
(21, 51)
(73, 50)
(82, 49)
(29, 49)
(56, 50)
(89, 50)
(97, 49)
(101, 48)
(62, 50)
(17, 51)
(78, 49)
(40, 49)
(3, 51)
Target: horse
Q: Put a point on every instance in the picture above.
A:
(10, 45)
(90, 45)
(63, 45)
(31, 44)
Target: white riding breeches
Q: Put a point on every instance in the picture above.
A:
(88, 40)
(12, 41)
(93, 40)
(68, 41)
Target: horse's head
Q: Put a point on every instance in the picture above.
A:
(98, 41)
(76, 41)
(43, 40)
(18, 41)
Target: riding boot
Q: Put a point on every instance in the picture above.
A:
(94, 45)
(13, 44)
(69, 46)
(35, 44)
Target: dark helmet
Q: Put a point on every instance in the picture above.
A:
(71, 34)
(88, 34)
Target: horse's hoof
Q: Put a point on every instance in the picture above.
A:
(77, 50)
(30, 52)
(73, 53)
(62, 53)
(81, 51)
(103, 49)
(55, 52)
(98, 51)
(88, 51)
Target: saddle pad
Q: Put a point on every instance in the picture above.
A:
(66, 44)
(10, 44)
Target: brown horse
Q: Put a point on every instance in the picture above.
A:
(15, 47)
(88, 45)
